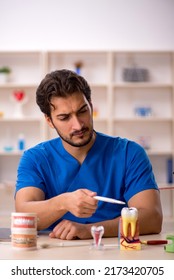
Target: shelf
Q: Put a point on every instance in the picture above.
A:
(143, 119)
(24, 119)
(98, 85)
(100, 119)
(17, 86)
(11, 153)
(163, 186)
(142, 85)
(153, 152)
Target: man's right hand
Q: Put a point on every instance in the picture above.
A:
(80, 203)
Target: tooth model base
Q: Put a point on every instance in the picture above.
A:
(129, 242)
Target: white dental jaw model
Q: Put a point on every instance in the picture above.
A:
(129, 216)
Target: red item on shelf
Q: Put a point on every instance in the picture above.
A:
(19, 95)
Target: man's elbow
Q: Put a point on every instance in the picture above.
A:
(152, 223)
(156, 223)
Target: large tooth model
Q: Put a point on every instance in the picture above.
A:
(129, 216)
(129, 229)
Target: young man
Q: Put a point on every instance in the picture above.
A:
(59, 178)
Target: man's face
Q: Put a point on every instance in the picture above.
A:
(72, 119)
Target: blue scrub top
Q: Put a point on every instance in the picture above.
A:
(114, 167)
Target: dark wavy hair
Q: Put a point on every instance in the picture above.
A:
(60, 83)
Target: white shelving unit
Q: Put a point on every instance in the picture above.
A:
(27, 70)
(157, 94)
(114, 101)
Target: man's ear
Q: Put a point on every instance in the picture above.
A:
(49, 121)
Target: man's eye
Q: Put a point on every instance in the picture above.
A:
(83, 111)
(64, 118)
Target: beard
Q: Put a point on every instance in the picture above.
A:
(82, 142)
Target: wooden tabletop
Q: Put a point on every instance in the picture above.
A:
(48, 248)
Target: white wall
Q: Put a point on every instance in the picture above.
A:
(86, 24)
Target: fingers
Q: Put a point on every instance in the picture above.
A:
(89, 192)
(81, 203)
(65, 230)
(86, 197)
(83, 210)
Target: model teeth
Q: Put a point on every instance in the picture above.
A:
(129, 216)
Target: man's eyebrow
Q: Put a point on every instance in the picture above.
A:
(85, 105)
(66, 114)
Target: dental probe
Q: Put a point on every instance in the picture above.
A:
(107, 199)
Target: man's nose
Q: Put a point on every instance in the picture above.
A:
(76, 123)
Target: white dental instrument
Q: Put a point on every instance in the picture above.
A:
(107, 199)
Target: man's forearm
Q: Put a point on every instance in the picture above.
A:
(110, 227)
(48, 211)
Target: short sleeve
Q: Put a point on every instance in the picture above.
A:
(28, 173)
(139, 172)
